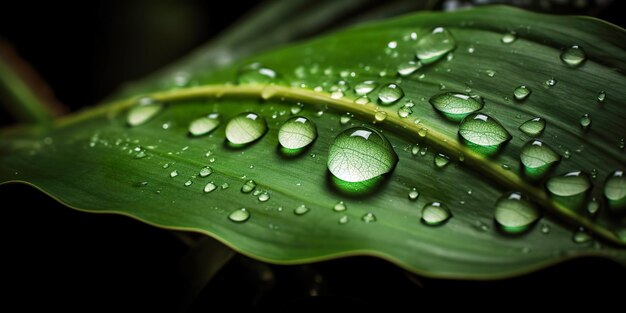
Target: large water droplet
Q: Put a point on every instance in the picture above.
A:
(390, 93)
(145, 109)
(204, 125)
(483, 133)
(364, 88)
(514, 213)
(248, 186)
(509, 38)
(434, 45)
(255, 73)
(521, 92)
(538, 158)
(573, 56)
(456, 106)
(435, 213)
(359, 154)
(239, 216)
(245, 128)
(569, 184)
(297, 133)
(615, 190)
(533, 127)
(585, 121)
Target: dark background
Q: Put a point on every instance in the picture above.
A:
(55, 257)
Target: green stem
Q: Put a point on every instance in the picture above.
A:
(446, 144)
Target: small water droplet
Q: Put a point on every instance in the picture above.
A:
(514, 213)
(145, 109)
(239, 216)
(365, 87)
(581, 236)
(404, 111)
(593, 206)
(521, 92)
(205, 171)
(601, 96)
(390, 93)
(263, 197)
(380, 116)
(360, 153)
(369, 217)
(551, 82)
(362, 100)
(245, 128)
(408, 68)
(585, 121)
(533, 127)
(340, 207)
(141, 154)
(621, 144)
(209, 187)
(413, 194)
(422, 132)
(188, 183)
(435, 213)
(545, 229)
(538, 158)
(204, 125)
(434, 45)
(441, 160)
(480, 226)
(336, 94)
(573, 56)
(615, 190)
(490, 73)
(255, 73)
(343, 220)
(174, 173)
(248, 186)
(295, 109)
(482, 133)
(455, 106)
(301, 210)
(345, 118)
(423, 151)
(225, 186)
(297, 133)
(415, 149)
(509, 38)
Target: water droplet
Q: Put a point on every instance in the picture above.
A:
(434, 45)
(573, 56)
(390, 93)
(408, 68)
(255, 73)
(593, 206)
(301, 210)
(248, 186)
(239, 216)
(422, 132)
(359, 154)
(545, 229)
(297, 133)
(345, 118)
(621, 144)
(538, 158)
(509, 38)
(205, 171)
(145, 110)
(455, 106)
(380, 116)
(569, 185)
(441, 160)
(188, 183)
(483, 133)
(295, 109)
(423, 151)
(435, 213)
(336, 94)
(415, 149)
(141, 154)
(225, 186)
(245, 128)
(209, 187)
(340, 207)
(204, 125)
(551, 82)
(490, 73)
(369, 217)
(413, 194)
(404, 111)
(585, 121)
(362, 100)
(343, 220)
(264, 197)
(615, 190)
(601, 96)
(514, 213)
(581, 236)
(533, 127)
(365, 87)
(521, 92)
(174, 173)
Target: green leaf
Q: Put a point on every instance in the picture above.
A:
(94, 161)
